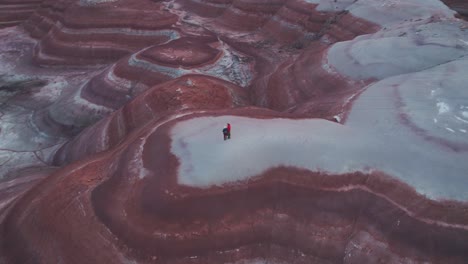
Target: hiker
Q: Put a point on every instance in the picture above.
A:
(229, 131)
(225, 132)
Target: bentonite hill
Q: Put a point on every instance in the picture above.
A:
(349, 131)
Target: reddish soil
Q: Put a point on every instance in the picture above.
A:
(285, 214)
(109, 194)
(458, 5)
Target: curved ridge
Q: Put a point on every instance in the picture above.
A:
(139, 172)
(89, 35)
(133, 191)
(13, 13)
(183, 93)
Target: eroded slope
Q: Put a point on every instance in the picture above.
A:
(118, 106)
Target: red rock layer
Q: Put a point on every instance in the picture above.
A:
(460, 6)
(285, 214)
(345, 26)
(15, 184)
(206, 8)
(185, 93)
(43, 19)
(15, 12)
(296, 82)
(101, 90)
(138, 76)
(296, 20)
(289, 75)
(296, 78)
(249, 14)
(120, 200)
(308, 85)
(186, 53)
(132, 75)
(93, 34)
(304, 80)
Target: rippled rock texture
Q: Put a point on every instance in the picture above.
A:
(14, 12)
(349, 133)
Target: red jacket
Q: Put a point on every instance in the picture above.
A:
(229, 128)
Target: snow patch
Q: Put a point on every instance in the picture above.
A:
(464, 42)
(337, 118)
(461, 119)
(257, 145)
(449, 129)
(94, 2)
(170, 34)
(137, 167)
(443, 108)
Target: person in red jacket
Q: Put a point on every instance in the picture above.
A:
(229, 131)
(225, 132)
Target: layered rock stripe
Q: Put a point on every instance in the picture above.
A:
(349, 122)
